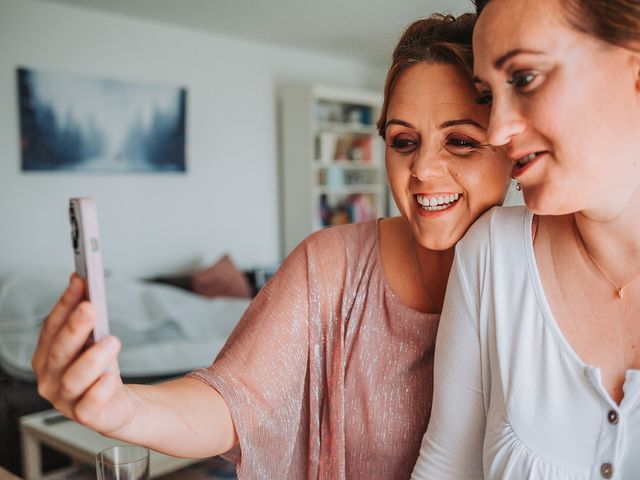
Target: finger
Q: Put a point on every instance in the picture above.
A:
(56, 318)
(88, 368)
(90, 409)
(65, 348)
(70, 340)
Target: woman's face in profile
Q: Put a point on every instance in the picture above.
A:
(441, 171)
(564, 105)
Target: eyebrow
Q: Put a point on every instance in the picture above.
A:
(448, 123)
(499, 63)
(462, 121)
(395, 121)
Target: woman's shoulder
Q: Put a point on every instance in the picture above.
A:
(343, 238)
(341, 255)
(495, 245)
(498, 226)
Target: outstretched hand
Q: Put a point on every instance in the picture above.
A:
(82, 383)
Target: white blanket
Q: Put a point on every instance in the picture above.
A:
(164, 330)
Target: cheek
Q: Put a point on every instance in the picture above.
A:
(486, 184)
(579, 130)
(569, 134)
(545, 129)
(398, 176)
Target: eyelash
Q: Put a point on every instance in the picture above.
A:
(402, 145)
(459, 142)
(485, 98)
(406, 145)
(521, 80)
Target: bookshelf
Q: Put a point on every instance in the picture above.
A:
(332, 160)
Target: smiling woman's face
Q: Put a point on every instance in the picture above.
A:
(565, 106)
(442, 174)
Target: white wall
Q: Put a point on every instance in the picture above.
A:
(151, 224)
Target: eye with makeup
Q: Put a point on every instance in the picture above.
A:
(461, 145)
(485, 98)
(524, 80)
(403, 143)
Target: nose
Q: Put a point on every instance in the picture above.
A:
(505, 122)
(427, 162)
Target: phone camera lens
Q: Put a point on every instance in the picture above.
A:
(74, 232)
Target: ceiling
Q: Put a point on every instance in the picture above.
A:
(363, 29)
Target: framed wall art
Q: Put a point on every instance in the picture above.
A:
(78, 123)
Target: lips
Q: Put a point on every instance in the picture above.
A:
(523, 162)
(437, 202)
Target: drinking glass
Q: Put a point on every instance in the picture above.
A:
(123, 462)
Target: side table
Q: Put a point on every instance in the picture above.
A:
(78, 442)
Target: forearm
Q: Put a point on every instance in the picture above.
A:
(184, 418)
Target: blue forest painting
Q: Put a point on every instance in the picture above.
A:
(77, 123)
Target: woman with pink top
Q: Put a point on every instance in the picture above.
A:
(329, 372)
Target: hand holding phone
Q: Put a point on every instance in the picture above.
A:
(84, 384)
(76, 360)
(85, 238)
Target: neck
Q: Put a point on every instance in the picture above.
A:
(440, 260)
(614, 243)
(435, 266)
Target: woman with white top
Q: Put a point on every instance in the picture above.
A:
(537, 368)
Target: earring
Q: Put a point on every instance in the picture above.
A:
(518, 186)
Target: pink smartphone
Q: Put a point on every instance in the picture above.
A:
(85, 238)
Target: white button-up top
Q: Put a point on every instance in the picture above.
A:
(512, 399)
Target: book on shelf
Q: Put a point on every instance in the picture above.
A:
(353, 208)
(346, 113)
(342, 148)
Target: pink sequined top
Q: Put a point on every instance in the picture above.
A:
(328, 375)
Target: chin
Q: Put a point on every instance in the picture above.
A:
(440, 243)
(541, 201)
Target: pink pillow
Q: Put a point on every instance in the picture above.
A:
(223, 279)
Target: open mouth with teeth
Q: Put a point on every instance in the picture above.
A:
(434, 203)
(524, 161)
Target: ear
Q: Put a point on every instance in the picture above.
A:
(635, 62)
